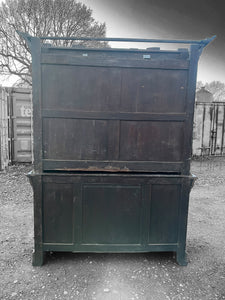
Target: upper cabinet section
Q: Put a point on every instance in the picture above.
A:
(113, 110)
(106, 81)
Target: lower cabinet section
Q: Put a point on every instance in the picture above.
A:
(110, 213)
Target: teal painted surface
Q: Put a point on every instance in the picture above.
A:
(58, 213)
(123, 114)
(111, 213)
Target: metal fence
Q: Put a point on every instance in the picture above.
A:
(209, 129)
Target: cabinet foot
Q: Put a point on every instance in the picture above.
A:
(181, 258)
(38, 258)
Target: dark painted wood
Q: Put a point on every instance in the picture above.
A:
(202, 43)
(112, 138)
(112, 166)
(118, 62)
(71, 139)
(154, 91)
(112, 212)
(151, 141)
(38, 254)
(128, 116)
(36, 98)
(114, 106)
(183, 218)
(195, 52)
(164, 212)
(81, 88)
(58, 221)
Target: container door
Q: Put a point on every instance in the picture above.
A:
(4, 152)
(22, 125)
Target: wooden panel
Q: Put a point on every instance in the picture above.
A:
(136, 116)
(111, 214)
(125, 59)
(153, 141)
(81, 88)
(81, 139)
(164, 214)
(57, 213)
(153, 90)
(113, 166)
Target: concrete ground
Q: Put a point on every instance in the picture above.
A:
(150, 276)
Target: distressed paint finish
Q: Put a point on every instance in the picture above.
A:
(120, 106)
(113, 130)
(110, 212)
(116, 107)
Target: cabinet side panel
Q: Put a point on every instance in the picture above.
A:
(58, 213)
(164, 213)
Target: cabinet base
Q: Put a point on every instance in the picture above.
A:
(38, 258)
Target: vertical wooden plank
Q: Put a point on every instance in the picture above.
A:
(183, 217)
(38, 255)
(164, 213)
(191, 87)
(58, 213)
(77, 213)
(37, 105)
(145, 224)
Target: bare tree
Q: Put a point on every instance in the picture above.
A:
(199, 85)
(217, 88)
(41, 18)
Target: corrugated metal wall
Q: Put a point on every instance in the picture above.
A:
(209, 129)
(4, 141)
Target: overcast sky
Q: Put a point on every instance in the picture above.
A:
(169, 19)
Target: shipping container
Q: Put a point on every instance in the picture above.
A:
(4, 139)
(21, 124)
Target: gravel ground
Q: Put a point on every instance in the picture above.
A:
(149, 276)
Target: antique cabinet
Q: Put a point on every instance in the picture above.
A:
(112, 147)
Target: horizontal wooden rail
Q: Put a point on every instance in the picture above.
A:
(130, 116)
